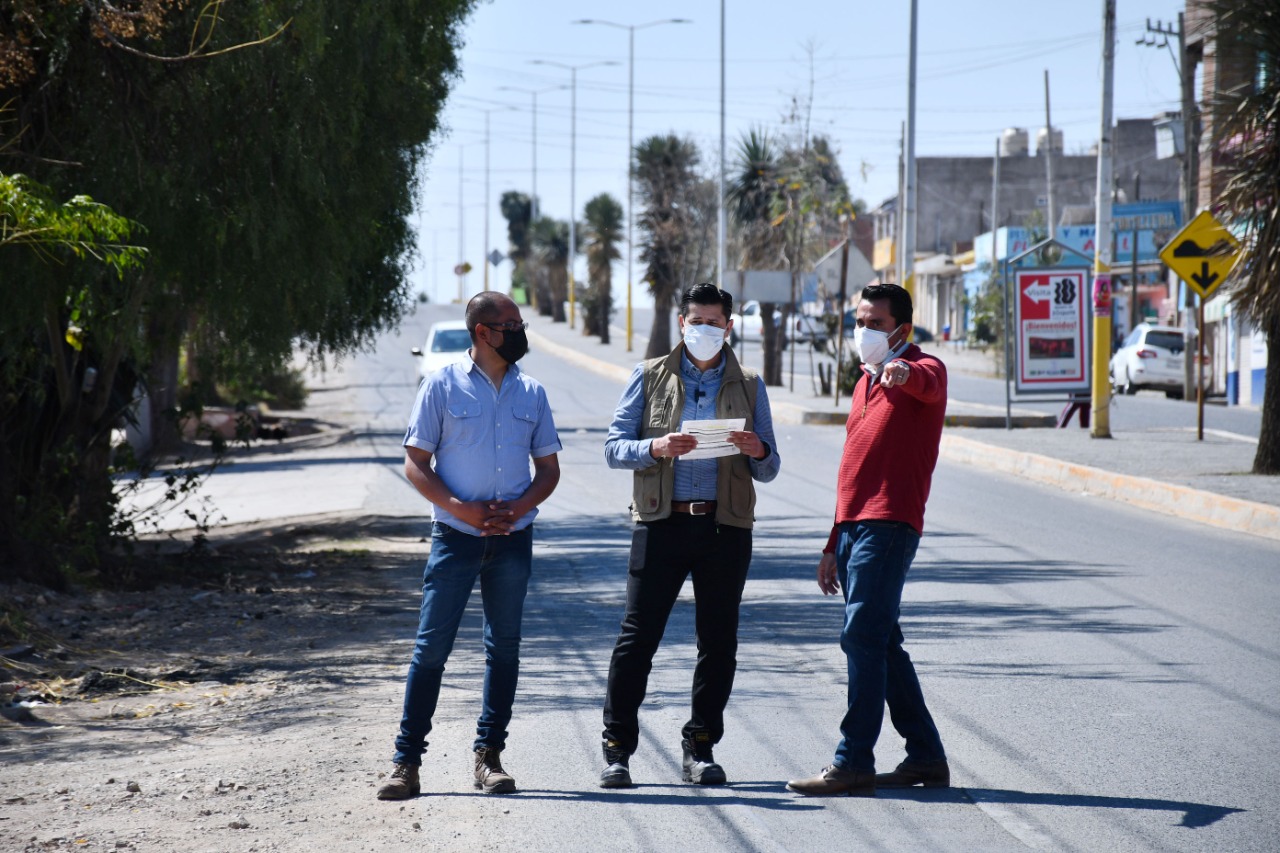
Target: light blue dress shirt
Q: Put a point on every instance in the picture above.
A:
(480, 436)
(695, 480)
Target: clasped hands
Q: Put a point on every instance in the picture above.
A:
(491, 518)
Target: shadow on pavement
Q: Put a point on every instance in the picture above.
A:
(1194, 815)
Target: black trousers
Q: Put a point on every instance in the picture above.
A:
(663, 554)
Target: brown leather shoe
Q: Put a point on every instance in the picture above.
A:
(402, 785)
(836, 780)
(490, 777)
(931, 774)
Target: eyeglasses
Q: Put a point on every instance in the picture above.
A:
(510, 326)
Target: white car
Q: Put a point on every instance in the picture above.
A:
(1151, 357)
(749, 326)
(447, 342)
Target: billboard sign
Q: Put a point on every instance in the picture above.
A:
(1052, 327)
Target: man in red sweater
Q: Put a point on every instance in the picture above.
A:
(890, 449)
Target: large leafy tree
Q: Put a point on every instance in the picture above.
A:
(602, 235)
(667, 183)
(270, 150)
(1249, 31)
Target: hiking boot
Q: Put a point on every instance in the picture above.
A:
(835, 780)
(402, 785)
(931, 774)
(700, 766)
(617, 773)
(490, 777)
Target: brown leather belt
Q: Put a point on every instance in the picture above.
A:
(694, 507)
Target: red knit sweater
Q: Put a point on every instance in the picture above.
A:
(891, 445)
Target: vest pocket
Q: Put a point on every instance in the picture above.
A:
(647, 496)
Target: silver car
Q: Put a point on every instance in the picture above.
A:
(1151, 357)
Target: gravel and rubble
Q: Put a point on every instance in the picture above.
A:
(228, 708)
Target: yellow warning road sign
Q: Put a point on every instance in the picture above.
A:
(1203, 253)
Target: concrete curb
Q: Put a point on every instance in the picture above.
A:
(1181, 501)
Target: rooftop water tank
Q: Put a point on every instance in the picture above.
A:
(1042, 136)
(1014, 142)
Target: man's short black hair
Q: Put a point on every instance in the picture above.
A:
(899, 300)
(484, 307)
(706, 293)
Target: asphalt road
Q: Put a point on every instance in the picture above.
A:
(1103, 677)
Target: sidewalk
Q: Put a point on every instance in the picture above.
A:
(1164, 470)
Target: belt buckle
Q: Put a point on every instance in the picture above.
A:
(695, 505)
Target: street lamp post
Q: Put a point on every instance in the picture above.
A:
(631, 171)
(487, 200)
(573, 162)
(533, 201)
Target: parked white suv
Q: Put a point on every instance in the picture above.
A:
(1151, 357)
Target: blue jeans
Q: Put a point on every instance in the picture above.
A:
(872, 559)
(502, 563)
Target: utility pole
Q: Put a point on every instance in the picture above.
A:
(909, 167)
(1100, 399)
(631, 168)
(1051, 223)
(1189, 175)
(484, 250)
(998, 280)
(720, 216)
(573, 166)
(1133, 256)
(462, 243)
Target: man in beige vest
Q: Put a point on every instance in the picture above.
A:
(693, 517)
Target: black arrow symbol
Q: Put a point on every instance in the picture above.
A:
(1204, 278)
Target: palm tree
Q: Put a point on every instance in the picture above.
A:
(666, 179)
(753, 196)
(549, 248)
(1249, 31)
(517, 208)
(603, 233)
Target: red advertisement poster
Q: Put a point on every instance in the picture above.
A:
(1052, 344)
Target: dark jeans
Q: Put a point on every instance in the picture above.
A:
(502, 564)
(663, 554)
(872, 559)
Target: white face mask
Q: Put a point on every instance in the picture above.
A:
(703, 342)
(872, 346)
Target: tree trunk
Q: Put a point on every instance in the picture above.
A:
(660, 334)
(604, 306)
(772, 344)
(1267, 459)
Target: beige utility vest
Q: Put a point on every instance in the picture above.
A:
(663, 409)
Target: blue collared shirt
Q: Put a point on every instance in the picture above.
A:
(481, 437)
(694, 480)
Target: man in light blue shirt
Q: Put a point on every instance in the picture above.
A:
(479, 421)
(693, 518)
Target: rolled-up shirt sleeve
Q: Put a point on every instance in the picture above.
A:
(427, 418)
(546, 440)
(764, 470)
(623, 447)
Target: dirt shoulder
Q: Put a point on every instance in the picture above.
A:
(186, 715)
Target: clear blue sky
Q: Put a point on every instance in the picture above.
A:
(981, 69)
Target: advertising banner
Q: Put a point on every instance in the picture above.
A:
(1052, 328)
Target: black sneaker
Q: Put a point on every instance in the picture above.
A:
(700, 766)
(617, 774)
